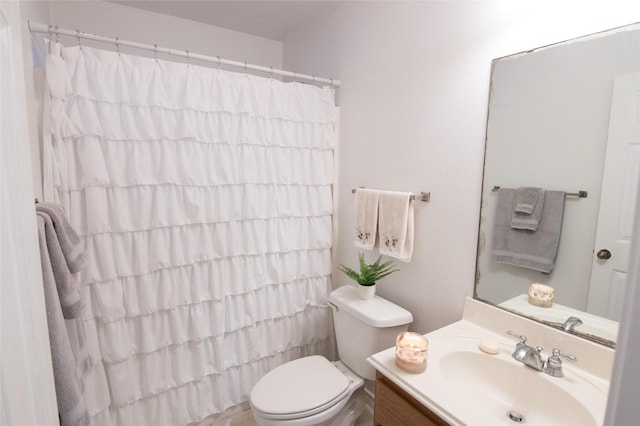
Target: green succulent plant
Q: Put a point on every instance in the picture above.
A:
(369, 274)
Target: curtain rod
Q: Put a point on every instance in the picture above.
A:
(37, 27)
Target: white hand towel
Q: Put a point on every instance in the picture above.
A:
(395, 224)
(366, 227)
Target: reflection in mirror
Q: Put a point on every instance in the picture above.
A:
(562, 119)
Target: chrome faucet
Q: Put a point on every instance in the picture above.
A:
(522, 349)
(532, 357)
(571, 323)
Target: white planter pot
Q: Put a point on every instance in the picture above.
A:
(366, 292)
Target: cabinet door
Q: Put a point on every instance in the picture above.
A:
(393, 406)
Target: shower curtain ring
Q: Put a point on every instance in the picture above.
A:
(57, 35)
(271, 73)
(245, 67)
(155, 52)
(78, 38)
(187, 56)
(117, 42)
(218, 67)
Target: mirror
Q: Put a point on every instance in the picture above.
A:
(548, 127)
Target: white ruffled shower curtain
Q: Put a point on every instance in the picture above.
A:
(204, 199)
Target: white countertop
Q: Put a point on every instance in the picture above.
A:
(460, 405)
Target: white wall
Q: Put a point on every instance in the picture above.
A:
(34, 78)
(413, 111)
(27, 396)
(110, 19)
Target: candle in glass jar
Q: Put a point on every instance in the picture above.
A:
(411, 352)
(541, 295)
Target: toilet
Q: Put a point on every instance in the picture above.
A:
(315, 391)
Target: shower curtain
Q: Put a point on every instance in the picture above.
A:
(204, 199)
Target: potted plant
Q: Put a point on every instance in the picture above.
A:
(369, 274)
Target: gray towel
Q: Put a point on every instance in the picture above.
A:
(526, 199)
(528, 249)
(67, 285)
(72, 248)
(527, 208)
(71, 405)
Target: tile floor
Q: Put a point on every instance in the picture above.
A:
(245, 418)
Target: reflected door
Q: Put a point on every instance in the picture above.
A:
(619, 189)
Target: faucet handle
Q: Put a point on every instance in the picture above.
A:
(522, 349)
(556, 354)
(523, 339)
(553, 366)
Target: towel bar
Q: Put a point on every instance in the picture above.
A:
(579, 194)
(425, 197)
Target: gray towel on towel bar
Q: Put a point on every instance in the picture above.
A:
(527, 208)
(66, 283)
(71, 405)
(528, 249)
(72, 249)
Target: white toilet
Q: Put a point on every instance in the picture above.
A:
(314, 391)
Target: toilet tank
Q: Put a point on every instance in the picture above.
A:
(364, 327)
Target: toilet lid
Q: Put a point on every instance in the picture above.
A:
(299, 386)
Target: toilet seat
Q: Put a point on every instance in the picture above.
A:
(300, 388)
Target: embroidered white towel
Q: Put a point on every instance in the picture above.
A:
(366, 227)
(395, 223)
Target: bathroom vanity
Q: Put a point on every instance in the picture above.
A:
(465, 385)
(393, 406)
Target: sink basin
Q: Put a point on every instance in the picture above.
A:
(511, 390)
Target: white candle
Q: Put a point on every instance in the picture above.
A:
(411, 352)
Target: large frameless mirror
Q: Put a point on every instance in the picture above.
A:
(565, 118)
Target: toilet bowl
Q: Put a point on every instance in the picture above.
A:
(307, 391)
(315, 391)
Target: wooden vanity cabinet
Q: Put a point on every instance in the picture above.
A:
(393, 406)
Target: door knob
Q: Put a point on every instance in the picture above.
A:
(604, 254)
